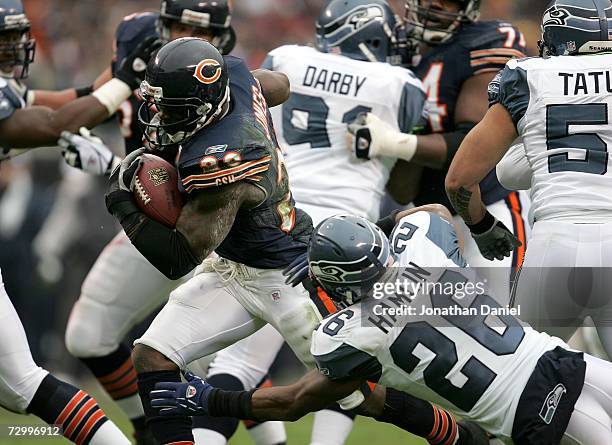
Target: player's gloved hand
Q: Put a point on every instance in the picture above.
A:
(132, 68)
(119, 201)
(371, 137)
(87, 152)
(297, 271)
(182, 399)
(493, 238)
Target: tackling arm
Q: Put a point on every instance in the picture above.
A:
(479, 153)
(57, 99)
(275, 86)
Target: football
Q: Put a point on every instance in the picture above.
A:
(156, 190)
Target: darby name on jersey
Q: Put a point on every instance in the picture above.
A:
(333, 81)
(591, 82)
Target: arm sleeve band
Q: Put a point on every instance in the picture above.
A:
(455, 138)
(237, 404)
(165, 248)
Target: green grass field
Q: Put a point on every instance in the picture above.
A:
(366, 431)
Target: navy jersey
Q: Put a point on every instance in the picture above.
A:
(132, 30)
(242, 147)
(478, 48)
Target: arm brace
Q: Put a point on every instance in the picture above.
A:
(165, 248)
(235, 404)
(455, 138)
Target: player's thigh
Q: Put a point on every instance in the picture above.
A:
(591, 421)
(200, 318)
(20, 377)
(548, 291)
(288, 309)
(121, 289)
(249, 359)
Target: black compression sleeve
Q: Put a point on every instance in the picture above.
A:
(387, 224)
(455, 138)
(236, 404)
(479, 228)
(165, 248)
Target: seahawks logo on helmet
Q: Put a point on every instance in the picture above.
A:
(364, 16)
(555, 16)
(328, 272)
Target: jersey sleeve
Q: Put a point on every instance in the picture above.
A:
(412, 106)
(511, 89)
(336, 358)
(493, 46)
(221, 165)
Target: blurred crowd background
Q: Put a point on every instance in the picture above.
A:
(53, 222)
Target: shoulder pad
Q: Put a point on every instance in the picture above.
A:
(492, 44)
(511, 89)
(218, 165)
(137, 26)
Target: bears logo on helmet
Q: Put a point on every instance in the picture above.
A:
(201, 69)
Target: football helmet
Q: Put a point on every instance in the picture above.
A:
(433, 25)
(211, 15)
(17, 47)
(571, 27)
(363, 30)
(186, 87)
(346, 256)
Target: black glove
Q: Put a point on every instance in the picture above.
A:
(133, 67)
(119, 197)
(493, 238)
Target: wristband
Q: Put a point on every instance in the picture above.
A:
(483, 226)
(84, 91)
(112, 94)
(397, 145)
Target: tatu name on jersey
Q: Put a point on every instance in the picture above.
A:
(333, 81)
(592, 82)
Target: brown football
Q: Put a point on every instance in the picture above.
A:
(156, 190)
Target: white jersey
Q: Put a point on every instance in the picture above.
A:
(561, 107)
(328, 91)
(475, 365)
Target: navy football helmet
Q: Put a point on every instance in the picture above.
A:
(361, 29)
(433, 25)
(211, 15)
(346, 256)
(16, 44)
(571, 27)
(186, 88)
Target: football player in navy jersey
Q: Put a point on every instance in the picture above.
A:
(111, 302)
(460, 55)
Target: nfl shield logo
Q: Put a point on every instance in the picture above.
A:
(191, 392)
(276, 295)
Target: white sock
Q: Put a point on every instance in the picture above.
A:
(203, 436)
(109, 434)
(330, 428)
(268, 433)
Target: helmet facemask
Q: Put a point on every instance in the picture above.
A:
(435, 26)
(17, 49)
(171, 121)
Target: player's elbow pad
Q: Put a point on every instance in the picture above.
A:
(165, 248)
(455, 138)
